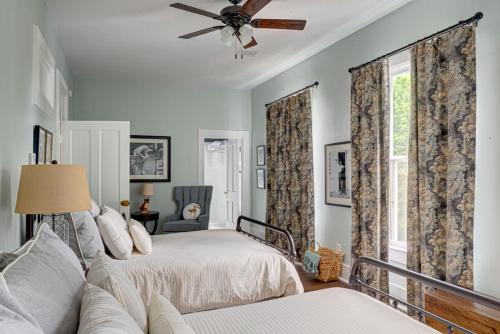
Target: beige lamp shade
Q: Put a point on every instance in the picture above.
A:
(50, 189)
(148, 189)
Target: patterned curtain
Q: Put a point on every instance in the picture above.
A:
(441, 169)
(290, 189)
(370, 121)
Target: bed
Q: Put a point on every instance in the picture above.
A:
(335, 310)
(205, 270)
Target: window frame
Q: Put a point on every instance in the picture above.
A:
(398, 65)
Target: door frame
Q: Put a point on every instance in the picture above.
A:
(244, 135)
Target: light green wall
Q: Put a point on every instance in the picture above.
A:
(331, 111)
(17, 113)
(164, 109)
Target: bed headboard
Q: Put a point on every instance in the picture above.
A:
(356, 282)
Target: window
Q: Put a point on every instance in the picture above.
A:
(399, 138)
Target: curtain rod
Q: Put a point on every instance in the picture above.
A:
(316, 84)
(473, 19)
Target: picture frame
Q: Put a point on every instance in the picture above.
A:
(261, 155)
(40, 143)
(150, 158)
(338, 174)
(261, 178)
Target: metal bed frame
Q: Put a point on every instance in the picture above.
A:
(356, 282)
(290, 253)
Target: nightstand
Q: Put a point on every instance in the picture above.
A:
(151, 216)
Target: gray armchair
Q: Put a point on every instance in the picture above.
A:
(183, 196)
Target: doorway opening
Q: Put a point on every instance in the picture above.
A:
(224, 165)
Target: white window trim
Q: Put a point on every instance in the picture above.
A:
(397, 249)
(44, 74)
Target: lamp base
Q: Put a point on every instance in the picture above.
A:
(145, 207)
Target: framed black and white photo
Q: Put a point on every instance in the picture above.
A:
(150, 159)
(338, 174)
(261, 155)
(261, 178)
(39, 144)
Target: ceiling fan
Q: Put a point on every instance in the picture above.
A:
(238, 21)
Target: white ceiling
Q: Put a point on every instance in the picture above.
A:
(138, 38)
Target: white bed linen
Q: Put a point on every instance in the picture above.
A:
(335, 310)
(212, 269)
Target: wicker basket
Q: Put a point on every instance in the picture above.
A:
(330, 263)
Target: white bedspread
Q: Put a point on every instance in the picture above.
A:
(211, 269)
(337, 310)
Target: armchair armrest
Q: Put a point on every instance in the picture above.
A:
(203, 220)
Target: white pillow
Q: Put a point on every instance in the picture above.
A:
(102, 314)
(106, 274)
(115, 237)
(164, 318)
(95, 210)
(116, 216)
(191, 211)
(140, 236)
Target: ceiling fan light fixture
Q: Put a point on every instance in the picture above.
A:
(246, 34)
(227, 36)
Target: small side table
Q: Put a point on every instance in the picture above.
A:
(151, 216)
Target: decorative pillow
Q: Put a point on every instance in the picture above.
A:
(107, 275)
(101, 313)
(88, 234)
(95, 210)
(115, 236)
(116, 216)
(13, 318)
(140, 236)
(164, 318)
(191, 211)
(47, 279)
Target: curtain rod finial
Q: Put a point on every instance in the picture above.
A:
(479, 15)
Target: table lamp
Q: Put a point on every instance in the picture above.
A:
(51, 191)
(148, 190)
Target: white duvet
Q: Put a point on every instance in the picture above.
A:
(328, 311)
(212, 269)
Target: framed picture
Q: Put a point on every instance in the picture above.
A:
(39, 144)
(261, 155)
(261, 178)
(150, 159)
(338, 174)
(48, 147)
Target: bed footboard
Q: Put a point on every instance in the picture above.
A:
(356, 282)
(289, 252)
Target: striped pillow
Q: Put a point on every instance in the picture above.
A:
(101, 313)
(105, 274)
(164, 318)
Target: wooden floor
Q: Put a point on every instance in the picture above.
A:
(312, 284)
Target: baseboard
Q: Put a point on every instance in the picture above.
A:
(345, 273)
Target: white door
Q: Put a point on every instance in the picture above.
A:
(62, 110)
(236, 174)
(103, 148)
(234, 165)
(215, 175)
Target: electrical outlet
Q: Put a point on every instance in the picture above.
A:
(338, 247)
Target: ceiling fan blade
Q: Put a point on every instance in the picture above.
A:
(251, 44)
(201, 32)
(252, 7)
(195, 10)
(279, 24)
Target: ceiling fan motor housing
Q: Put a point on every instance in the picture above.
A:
(231, 16)
(235, 2)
